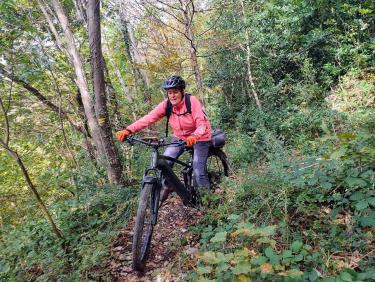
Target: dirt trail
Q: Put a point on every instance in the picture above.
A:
(173, 223)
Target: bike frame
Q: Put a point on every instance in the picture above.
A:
(158, 169)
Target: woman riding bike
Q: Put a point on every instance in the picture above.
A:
(190, 125)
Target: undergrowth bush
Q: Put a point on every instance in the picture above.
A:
(237, 250)
(295, 217)
(88, 222)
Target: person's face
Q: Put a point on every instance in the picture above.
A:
(174, 95)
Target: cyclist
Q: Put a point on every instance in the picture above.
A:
(194, 128)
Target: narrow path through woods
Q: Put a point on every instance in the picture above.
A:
(172, 228)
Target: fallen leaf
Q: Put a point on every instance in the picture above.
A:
(266, 268)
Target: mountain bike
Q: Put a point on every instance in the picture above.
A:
(149, 199)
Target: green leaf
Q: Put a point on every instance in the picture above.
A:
(313, 275)
(361, 205)
(269, 252)
(266, 240)
(219, 237)
(244, 253)
(346, 276)
(352, 182)
(287, 254)
(292, 273)
(242, 267)
(222, 267)
(365, 11)
(258, 260)
(368, 274)
(338, 153)
(296, 246)
(272, 256)
(204, 270)
(267, 231)
(223, 257)
(4, 268)
(371, 201)
(346, 135)
(356, 196)
(233, 217)
(328, 279)
(312, 181)
(209, 257)
(367, 174)
(367, 221)
(326, 185)
(298, 258)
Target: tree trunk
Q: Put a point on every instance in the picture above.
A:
(114, 167)
(188, 13)
(76, 61)
(112, 101)
(248, 60)
(127, 91)
(134, 57)
(79, 72)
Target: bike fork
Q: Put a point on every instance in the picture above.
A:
(155, 197)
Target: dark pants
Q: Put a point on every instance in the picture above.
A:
(199, 161)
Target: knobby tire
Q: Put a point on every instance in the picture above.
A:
(143, 228)
(217, 166)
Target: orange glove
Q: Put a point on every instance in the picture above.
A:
(122, 134)
(191, 140)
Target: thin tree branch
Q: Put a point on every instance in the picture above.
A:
(168, 5)
(165, 11)
(40, 97)
(51, 27)
(6, 125)
(171, 27)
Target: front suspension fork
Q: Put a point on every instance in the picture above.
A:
(155, 196)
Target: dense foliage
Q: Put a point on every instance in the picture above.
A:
(300, 204)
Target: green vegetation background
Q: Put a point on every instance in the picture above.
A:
(300, 205)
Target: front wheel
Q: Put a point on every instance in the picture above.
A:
(217, 166)
(143, 228)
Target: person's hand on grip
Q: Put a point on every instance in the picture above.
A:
(191, 141)
(122, 134)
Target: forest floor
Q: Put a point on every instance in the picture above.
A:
(171, 237)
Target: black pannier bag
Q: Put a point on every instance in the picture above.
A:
(218, 138)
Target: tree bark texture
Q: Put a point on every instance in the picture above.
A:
(188, 13)
(112, 100)
(248, 60)
(81, 81)
(114, 167)
(140, 75)
(111, 165)
(126, 89)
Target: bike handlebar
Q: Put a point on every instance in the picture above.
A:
(160, 143)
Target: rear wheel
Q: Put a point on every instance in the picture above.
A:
(217, 166)
(143, 228)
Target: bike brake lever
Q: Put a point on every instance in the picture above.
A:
(129, 139)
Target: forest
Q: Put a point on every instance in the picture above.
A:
(290, 82)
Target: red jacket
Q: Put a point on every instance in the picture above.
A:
(183, 126)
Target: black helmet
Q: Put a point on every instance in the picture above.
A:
(174, 81)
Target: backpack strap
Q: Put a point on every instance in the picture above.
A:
(187, 103)
(168, 110)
